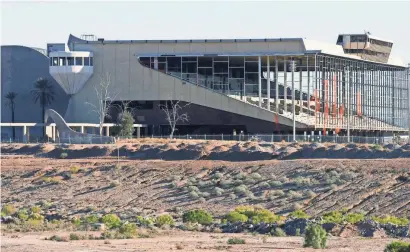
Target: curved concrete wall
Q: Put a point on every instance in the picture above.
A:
(20, 67)
(132, 81)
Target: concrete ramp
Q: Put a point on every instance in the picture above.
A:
(67, 135)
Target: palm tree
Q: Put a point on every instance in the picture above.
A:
(43, 93)
(11, 96)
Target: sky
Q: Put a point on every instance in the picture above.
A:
(37, 23)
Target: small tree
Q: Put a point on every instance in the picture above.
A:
(104, 100)
(173, 115)
(125, 124)
(315, 237)
(43, 93)
(11, 96)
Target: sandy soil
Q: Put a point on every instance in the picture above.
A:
(188, 241)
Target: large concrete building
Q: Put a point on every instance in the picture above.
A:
(249, 85)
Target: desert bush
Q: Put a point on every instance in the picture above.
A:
(236, 241)
(226, 183)
(58, 238)
(202, 200)
(193, 195)
(241, 190)
(203, 183)
(300, 214)
(74, 169)
(249, 194)
(264, 185)
(232, 196)
(256, 176)
(398, 246)
(8, 210)
(278, 232)
(218, 175)
(175, 178)
(354, 217)
(22, 214)
(294, 195)
(164, 219)
(257, 214)
(179, 246)
(206, 194)
(114, 183)
(36, 216)
(392, 219)
(296, 206)
(74, 237)
(297, 233)
(193, 189)
(129, 230)
(315, 237)
(199, 216)
(332, 217)
(35, 209)
(279, 193)
(76, 222)
(218, 191)
(275, 183)
(52, 180)
(309, 193)
(235, 216)
(63, 155)
(173, 185)
(111, 220)
(147, 222)
(240, 176)
(91, 219)
(300, 181)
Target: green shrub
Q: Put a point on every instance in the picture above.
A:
(297, 232)
(193, 195)
(74, 169)
(257, 214)
(206, 194)
(398, 246)
(164, 219)
(310, 194)
(173, 185)
(125, 124)
(315, 237)
(275, 183)
(193, 189)
(242, 189)
(279, 193)
(354, 217)
(8, 210)
(236, 217)
(145, 221)
(218, 191)
(264, 185)
(22, 214)
(294, 195)
(236, 241)
(296, 206)
(36, 216)
(129, 230)
(218, 175)
(278, 232)
(232, 196)
(300, 214)
(256, 176)
(74, 237)
(76, 222)
(58, 238)
(198, 216)
(391, 219)
(332, 217)
(63, 155)
(91, 219)
(35, 209)
(111, 220)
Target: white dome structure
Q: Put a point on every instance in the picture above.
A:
(71, 69)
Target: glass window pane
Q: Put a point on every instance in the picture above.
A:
(70, 61)
(91, 61)
(251, 67)
(190, 78)
(221, 58)
(55, 61)
(204, 72)
(189, 67)
(236, 73)
(251, 78)
(221, 79)
(204, 61)
(235, 84)
(162, 59)
(86, 61)
(162, 67)
(236, 61)
(191, 59)
(251, 58)
(51, 61)
(78, 61)
(221, 67)
(251, 90)
(174, 65)
(62, 61)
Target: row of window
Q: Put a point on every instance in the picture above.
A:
(71, 61)
(364, 38)
(367, 52)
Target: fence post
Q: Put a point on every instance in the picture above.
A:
(186, 136)
(271, 139)
(222, 137)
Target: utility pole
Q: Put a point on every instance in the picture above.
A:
(292, 67)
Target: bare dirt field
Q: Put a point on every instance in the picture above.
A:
(150, 178)
(187, 241)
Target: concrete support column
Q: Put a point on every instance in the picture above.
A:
(107, 130)
(25, 134)
(285, 85)
(268, 82)
(260, 81)
(82, 129)
(138, 132)
(276, 86)
(54, 133)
